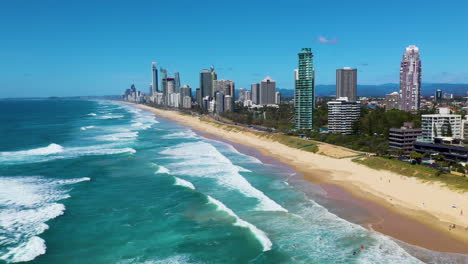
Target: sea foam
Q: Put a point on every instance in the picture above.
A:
(28, 203)
(201, 159)
(259, 234)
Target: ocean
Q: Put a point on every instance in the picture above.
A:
(104, 182)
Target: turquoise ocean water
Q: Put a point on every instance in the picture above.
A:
(102, 182)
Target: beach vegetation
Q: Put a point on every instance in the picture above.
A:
(423, 173)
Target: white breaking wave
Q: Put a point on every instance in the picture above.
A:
(110, 116)
(232, 149)
(27, 204)
(259, 234)
(51, 149)
(92, 114)
(163, 169)
(201, 159)
(185, 134)
(181, 182)
(86, 127)
(55, 151)
(243, 169)
(118, 136)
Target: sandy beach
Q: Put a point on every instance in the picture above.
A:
(424, 210)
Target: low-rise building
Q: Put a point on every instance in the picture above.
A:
(451, 153)
(465, 129)
(443, 124)
(403, 138)
(342, 114)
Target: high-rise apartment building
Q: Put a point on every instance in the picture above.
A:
(228, 103)
(267, 91)
(255, 90)
(154, 83)
(219, 102)
(392, 101)
(185, 91)
(177, 81)
(199, 97)
(163, 77)
(304, 91)
(410, 79)
(206, 82)
(346, 83)
(438, 95)
(277, 98)
(342, 115)
(225, 86)
(241, 95)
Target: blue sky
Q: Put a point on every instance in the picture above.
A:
(62, 48)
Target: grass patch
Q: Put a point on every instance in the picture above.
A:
(421, 172)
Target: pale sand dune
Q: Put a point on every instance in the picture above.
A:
(403, 194)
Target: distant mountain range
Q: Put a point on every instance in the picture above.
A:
(383, 89)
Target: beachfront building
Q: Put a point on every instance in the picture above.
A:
(241, 95)
(185, 91)
(443, 124)
(187, 102)
(403, 138)
(341, 115)
(277, 98)
(465, 129)
(267, 91)
(248, 95)
(219, 102)
(206, 82)
(346, 83)
(228, 103)
(154, 83)
(452, 153)
(255, 92)
(410, 79)
(304, 91)
(177, 81)
(392, 101)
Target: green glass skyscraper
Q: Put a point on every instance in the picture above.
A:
(304, 91)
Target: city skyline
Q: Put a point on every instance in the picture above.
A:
(48, 51)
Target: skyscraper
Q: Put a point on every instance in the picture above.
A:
(346, 83)
(438, 95)
(267, 91)
(410, 79)
(185, 91)
(255, 90)
(163, 77)
(241, 94)
(225, 86)
(177, 81)
(219, 98)
(304, 91)
(154, 84)
(206, 82)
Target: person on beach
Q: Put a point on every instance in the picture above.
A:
(461, 213)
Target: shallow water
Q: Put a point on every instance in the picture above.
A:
(102, 182)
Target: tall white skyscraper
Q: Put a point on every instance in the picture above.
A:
(410, 79)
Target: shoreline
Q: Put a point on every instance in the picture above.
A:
(351, 184)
